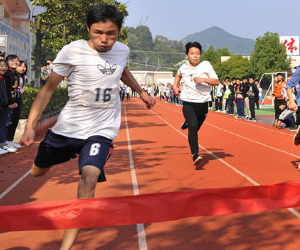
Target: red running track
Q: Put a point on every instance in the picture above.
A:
(236, 153)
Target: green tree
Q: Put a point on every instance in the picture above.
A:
(236, 66)
(133, 42)
(64, 22)
(214, 56)
(145, 37)
(269, 56)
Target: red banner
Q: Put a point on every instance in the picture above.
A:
(147, 208)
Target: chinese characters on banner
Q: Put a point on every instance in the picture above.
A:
(291, 44)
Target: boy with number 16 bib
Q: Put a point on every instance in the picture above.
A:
(91, 119)
(198, 79)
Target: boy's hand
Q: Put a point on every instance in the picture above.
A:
(13, 106)
(292, 105)
(150, 101)
(28, 137)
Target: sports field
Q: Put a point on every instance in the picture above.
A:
(152, 156)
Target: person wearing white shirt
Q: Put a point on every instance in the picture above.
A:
(91, 119)
(128, 89)
(198, 79)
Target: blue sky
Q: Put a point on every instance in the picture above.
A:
(175, 19)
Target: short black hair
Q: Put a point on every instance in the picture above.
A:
(11, 57)
(3, 60)
(193, 45)
(104, 13)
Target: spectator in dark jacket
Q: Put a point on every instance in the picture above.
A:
(240, 93)
(7, 104)
(231, 98)
(253, 94)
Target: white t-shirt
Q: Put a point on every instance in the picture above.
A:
(94, 106)
(220, 90)
(191, 91)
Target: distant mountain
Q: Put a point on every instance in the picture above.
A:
(219, 38)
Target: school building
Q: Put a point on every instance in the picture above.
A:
(15, 38)
(150, 77)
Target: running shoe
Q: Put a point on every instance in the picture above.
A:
(184, 125)
(197, 159)
(13, 144)
(251, 119)
(3, 152)
(293, 129)
(8, 148)
(297, 137)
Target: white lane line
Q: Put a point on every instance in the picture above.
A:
(215, 156)
(292, 210)
(259, 143)
(140, 227)
(14, 185)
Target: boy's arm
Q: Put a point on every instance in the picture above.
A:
(210, 81)
(293, 82)
(176, 81)
(255, 90)
(129, 80)
(291, 102)
(40, 103)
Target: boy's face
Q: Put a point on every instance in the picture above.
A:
(251, 80)
(103, 36)
(13, 63)
(194, 56)
(238, 82)
(279, 77)
(3, 68)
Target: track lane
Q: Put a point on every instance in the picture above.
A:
(163, 163)
(239, 231)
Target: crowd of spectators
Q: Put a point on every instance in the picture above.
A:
(12, 83)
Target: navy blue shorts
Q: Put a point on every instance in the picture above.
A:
(56, 149)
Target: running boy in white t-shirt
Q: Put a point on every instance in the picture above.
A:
(90, 121)
(198, 79)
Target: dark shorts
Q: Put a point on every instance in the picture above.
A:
(56, 149)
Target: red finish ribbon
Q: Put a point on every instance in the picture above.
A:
(147, 208)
